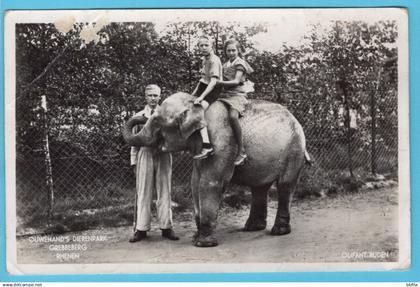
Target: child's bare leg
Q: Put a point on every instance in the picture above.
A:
(207, 148)
(237, 132)
(205, 136)
(204, 132)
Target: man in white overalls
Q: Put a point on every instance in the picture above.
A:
(153, 170)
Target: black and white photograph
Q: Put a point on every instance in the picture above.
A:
(207, 140)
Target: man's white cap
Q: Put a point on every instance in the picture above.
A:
(152, 89)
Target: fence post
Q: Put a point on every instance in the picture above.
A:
(344, 87)
(48, 168)
(373, 122)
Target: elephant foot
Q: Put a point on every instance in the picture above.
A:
(205, 241)
(281, 230)
(255, 225)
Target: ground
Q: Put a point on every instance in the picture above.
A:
(352, 227)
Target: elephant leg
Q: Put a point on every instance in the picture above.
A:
(282, 222)
(195, 180)
(210, 192)
(257, 219)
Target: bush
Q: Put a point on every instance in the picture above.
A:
(320, 182)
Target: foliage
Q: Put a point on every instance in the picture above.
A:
(94, 86)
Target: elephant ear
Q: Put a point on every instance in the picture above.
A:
(191, 120)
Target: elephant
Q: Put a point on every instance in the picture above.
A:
(274, 142)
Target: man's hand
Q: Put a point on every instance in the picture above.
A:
(134, 169)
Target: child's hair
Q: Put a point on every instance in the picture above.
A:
(207, 38)
(233, 41)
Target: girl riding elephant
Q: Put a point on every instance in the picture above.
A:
(235, 88)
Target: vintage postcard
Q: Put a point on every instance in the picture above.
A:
(207, 140)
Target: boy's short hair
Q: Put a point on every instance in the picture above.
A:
(206, 38)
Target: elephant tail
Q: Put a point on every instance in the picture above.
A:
(308, 160)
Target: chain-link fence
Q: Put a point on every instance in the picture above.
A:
(347, 147)
(348, 143)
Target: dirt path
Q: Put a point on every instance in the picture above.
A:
(323, 230)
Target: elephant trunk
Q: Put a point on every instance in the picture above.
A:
(145, 137)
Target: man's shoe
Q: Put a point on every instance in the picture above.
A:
(205, 152)
(138, 235)
(170, 234)
(240, 159)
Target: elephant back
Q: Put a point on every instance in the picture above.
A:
(272, 136)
